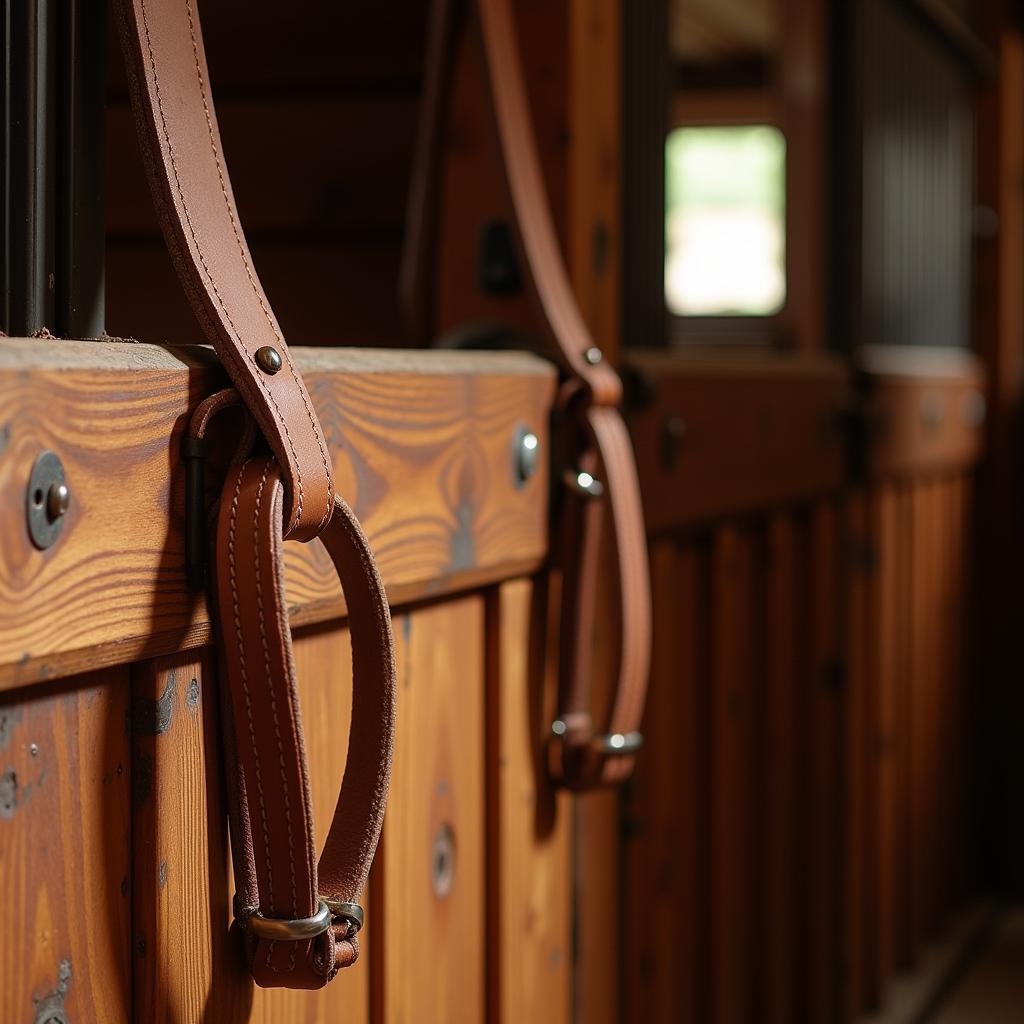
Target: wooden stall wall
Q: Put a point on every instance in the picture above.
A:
(795, 831)
(114, 865)
(318, 107)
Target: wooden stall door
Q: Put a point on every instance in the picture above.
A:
(796, 831)
(114, 869)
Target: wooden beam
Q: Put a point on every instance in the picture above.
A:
(422, 444)
(724, 433)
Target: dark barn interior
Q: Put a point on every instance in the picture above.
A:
(795, 228)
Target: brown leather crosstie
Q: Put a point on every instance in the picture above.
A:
(599, 468)
(299, 917)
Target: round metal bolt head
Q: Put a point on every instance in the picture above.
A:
(593, 355)
(58, 499)
(527, 455)
(269, 359)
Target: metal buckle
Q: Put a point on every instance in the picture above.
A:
(283, 928)
(614, 743)
(351, 912)
(611, 744)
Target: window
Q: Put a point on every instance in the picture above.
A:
(725, 246)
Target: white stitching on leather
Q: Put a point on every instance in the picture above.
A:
(245, 680)
(202, 259)
(256, 290)
(273, 704)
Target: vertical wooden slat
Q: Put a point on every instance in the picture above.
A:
(186, 965)
(858, 578)
(431, 871)
(665, 976)
(785, 610)
(65, 876)
(884, 682)
(903, 554)
(323, 663)
(529, 824)
(731, 814)
(820, 755)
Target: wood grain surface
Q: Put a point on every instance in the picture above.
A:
(430, 870)
(781, 441)
(529, 837)
(65, 831)
(422, 445)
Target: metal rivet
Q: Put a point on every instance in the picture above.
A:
(527, 455)
(47, 499)
(269, 359)
(57, 500)
(593, 355)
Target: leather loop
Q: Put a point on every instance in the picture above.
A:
(273, 842)
(598, 441)
(266, 499)
(181, 147)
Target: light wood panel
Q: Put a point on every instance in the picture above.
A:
(187, 965)
(65, 873)
(422, 445)
(529, 824)
(430, 873)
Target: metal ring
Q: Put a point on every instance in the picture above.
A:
(618, 743)
(284, 928)
(351, 912)
(582, 482)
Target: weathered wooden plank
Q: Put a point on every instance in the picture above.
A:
(925, 409)
(820, 767)
(529, 824)
(883, 682)
(186, 964)
(785, 608)
(856, 877)
(731, 825)
(781, 442)
(349, 190)
(65, 876)
(430, 876)
(326, 291)
(665, 979)
(903, 699)
(422, 445)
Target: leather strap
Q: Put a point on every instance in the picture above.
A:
(299, 917)
(276, 873)
(595, 440)
(181, 147)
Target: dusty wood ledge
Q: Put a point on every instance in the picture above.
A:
(422, 444)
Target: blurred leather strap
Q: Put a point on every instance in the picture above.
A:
(299, 917)
(593, 435)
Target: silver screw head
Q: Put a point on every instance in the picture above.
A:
(269, 359)
(593, 355)
(527, 455)
(58, 499)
